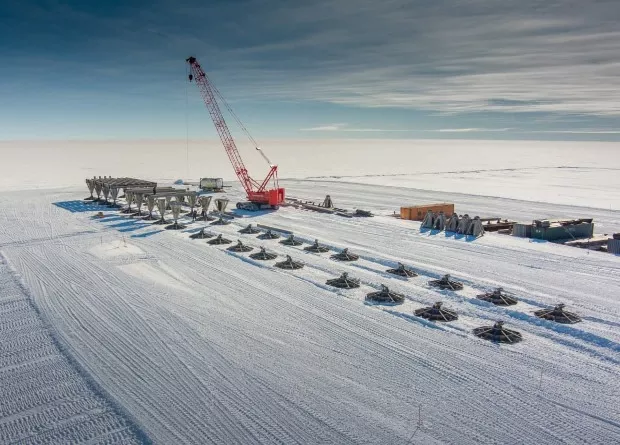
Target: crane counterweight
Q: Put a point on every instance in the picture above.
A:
(259, 196)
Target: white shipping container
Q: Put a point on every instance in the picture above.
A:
(211, 183)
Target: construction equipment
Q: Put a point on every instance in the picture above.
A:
(150, 205)
(316, 247)
(259, 196)
(249, 230)
(263, 255)
(161, 208)
(402, 271)
(138, 198)
(344, 282)
(385, 295)
(220, 222)
(499, 297)
(91, 188)
(176, 210)
(436, 312)
(289, 264)
(345, 255)
(201, 235)
(211, 184)
(498, 333)
(291, 241)
(558, 314)
(269, 235)
(240, 247)
(129, 199)
(205, 202)
(219, 240)
(446, 282)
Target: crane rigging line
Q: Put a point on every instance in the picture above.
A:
(236, 118)
(186, 126)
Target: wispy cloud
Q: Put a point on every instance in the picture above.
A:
(345, 127)
(473, 56)
(578, 131)
(464, 66)
(330, 127)
(471, 130)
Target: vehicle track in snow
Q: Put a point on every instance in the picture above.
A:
(252, 354)
(43, 397)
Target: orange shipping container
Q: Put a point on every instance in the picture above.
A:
(417, 213)
(405, 213)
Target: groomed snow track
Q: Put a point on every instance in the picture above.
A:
(204, 345)
(44, 395)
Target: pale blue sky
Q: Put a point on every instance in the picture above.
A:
(306, 69)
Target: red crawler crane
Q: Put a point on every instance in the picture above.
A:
(258, 195)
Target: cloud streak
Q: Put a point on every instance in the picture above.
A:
(474, 56)
(345, 127)
(471, 130)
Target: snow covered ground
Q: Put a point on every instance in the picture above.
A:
(575, 186)
(389, 199)
(200, 345)
(571, 173)
(44, 395)
(116, 331)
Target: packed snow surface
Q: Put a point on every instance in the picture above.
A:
(113, 330)
(196, 344)
(582, 186)
(44, 395)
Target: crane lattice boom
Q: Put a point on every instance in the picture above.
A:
(257, 191)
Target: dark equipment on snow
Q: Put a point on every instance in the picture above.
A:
(446, 282)
(558, 314)
(290, 264)
(363, 213)
(385, 295)
(201, 235)
(499, 297)
(316, 247)
(249, 230)
(263, 255)
(402, 271)
(291, 241)
(240, 247)
(269, 235)
(436, 312)
(219, 240)
(345, 255)
(175, 226)
(498, 333)
(344, 282)
(220, 222)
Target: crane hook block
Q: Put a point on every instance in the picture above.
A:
(191, 76)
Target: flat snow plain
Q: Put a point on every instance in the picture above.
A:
(194, 344)
(115, 331)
